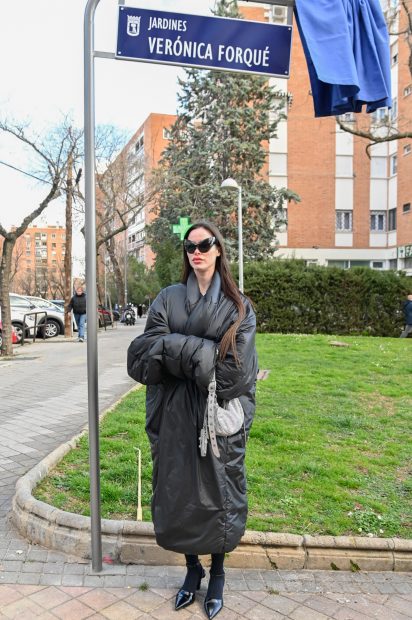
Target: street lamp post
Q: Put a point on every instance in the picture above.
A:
(232, 184)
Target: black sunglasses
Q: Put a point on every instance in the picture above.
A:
(203, 247)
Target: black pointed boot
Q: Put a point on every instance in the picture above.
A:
(186, 594)
(214, 597)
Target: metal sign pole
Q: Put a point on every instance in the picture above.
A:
(91, 296)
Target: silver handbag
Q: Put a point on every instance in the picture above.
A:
(219, 421)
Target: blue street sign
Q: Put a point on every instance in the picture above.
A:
(204, 42)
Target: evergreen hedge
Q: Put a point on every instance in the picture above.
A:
(290, 297)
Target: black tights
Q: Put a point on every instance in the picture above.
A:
(218, 560)
(194, 574)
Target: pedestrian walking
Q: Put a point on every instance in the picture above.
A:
(407, 311)
(201, 329)
(78, 305)
(140, 311)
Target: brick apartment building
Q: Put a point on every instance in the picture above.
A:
(354, 211)
(38, 261)
(146, 146)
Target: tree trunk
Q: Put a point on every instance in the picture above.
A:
(68, 254)
(117, 272)
(5, 270)
(98, 280)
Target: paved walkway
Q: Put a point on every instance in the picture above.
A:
(44, 403)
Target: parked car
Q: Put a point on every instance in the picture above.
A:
(55, 315)
(105, 317)
(21, 322)
(14, 338)
(24, 305)
(57, 302)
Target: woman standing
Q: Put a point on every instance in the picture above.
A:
(202, 326)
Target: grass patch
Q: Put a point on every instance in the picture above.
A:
(329, 452)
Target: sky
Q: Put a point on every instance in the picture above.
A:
(41, 77)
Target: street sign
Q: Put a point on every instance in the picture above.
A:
(204, 42)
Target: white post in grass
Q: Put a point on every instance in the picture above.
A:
(139, 485)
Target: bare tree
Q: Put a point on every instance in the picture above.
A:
(26, 284)
(67, 288)
(51, 154)
(390, 126)
(16, 261)
(56, 280)
(120, 194)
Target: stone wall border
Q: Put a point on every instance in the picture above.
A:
(133, 542)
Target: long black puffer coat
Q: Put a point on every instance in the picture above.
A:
(199, 504)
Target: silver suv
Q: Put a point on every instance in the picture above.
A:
(55, 315)
(21, 305)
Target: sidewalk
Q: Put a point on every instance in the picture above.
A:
(43, 404)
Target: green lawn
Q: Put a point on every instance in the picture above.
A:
(330, 450)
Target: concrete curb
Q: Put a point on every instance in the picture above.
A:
(133, 542)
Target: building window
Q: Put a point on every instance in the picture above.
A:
(406, 207)
(359, 263)
(379, 167)
(343, 264)
(407, 90)
(53, 236)
(344, 221)
(348, 264)
(167, 135)
(378, 221)
(392, 219)
(394, 164)
(380, 115)
(377, 264)
(348, 117)
(407, 149)
(394, 109)
(139, 144)
(393, 263)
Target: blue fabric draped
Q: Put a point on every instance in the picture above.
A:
(346, 44)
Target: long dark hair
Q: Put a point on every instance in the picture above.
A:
(229, 286)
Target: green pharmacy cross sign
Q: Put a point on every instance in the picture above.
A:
(181, 227)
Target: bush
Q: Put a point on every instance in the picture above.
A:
(291, 297)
